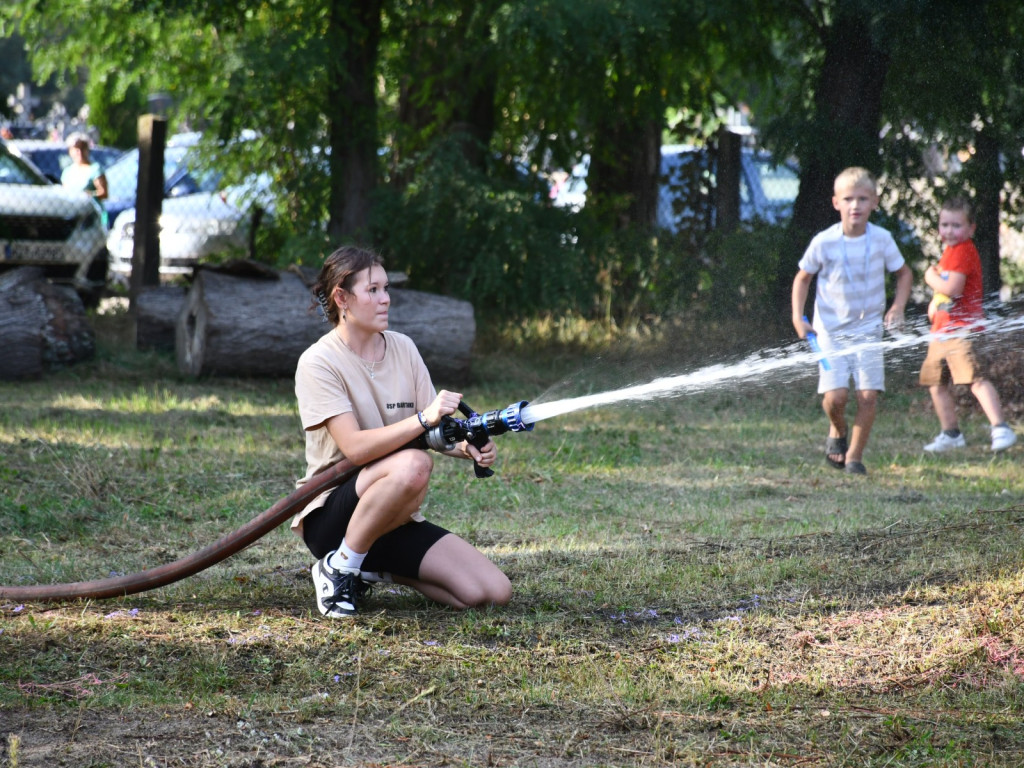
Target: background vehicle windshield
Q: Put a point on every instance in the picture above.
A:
(55, 162)
(14, 171)
(123, 175)
(52, 158)
(780, 182)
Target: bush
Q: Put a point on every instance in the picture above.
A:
(495, 242)
(740, 272)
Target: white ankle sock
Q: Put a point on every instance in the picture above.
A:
(345, 558)
(377, 577)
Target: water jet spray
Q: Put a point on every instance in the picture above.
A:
(477, 429)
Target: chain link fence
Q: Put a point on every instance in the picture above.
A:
(200, 218)
(51, 227)
(70, 235)
(88, 243)
(691, 184)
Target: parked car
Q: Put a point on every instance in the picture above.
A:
(686, 185)
(768, 189)
(198, 218)
(44, 225)
(192, 228)
(51, 157)
(179, 178)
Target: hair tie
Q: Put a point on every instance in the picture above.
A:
(322, 298)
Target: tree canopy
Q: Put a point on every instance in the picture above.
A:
(426, 126)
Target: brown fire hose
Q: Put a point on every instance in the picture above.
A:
(118, 586)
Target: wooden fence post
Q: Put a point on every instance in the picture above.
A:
(148, 205)
(727, 180)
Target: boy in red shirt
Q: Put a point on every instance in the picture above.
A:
(956, 311)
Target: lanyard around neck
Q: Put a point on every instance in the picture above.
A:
(867, 252)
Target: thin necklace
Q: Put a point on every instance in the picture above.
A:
(373, 363)
(846, 259)
(867, 251)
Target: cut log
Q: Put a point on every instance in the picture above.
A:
(156, 316)
(44, 325)
(247, 326)
(443, 328)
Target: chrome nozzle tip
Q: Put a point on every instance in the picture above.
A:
(511, 417)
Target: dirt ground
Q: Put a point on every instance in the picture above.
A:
(105, 739)
(100, 738)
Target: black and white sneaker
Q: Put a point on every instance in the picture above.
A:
(337, 592)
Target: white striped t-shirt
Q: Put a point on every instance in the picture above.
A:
(850, 290)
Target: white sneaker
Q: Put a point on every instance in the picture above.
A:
(1002, 438)
(944, 443)
(338, 591)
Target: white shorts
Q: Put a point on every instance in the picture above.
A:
(855, 355)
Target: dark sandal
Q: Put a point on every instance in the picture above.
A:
(855, 468)
(834, 445)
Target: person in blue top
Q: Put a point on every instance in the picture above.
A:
(83, 174)
(850, 260)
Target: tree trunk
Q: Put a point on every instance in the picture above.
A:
(627, 169)
(988, 180)
(245, 326)
(354, 29)
(443, 328)
(44, 326)
(846, 121)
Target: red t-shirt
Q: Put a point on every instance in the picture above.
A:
(967, 308)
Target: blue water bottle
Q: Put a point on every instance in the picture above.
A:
(812, 340)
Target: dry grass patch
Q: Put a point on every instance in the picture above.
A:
(693, 586)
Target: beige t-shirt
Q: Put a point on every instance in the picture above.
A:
(331, 379)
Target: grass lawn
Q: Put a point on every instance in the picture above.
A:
(693, 584)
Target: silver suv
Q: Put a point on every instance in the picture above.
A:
(47, 226)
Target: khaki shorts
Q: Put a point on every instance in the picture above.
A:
(962, 364)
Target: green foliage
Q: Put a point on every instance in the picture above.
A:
(543, 81)
(458, 231)
(116, 119)
(566, 67)
(1013, 274)
(641, 276)
(493, 240)
(739, 273)
(15, 69)
(439, 62)
(479, 233)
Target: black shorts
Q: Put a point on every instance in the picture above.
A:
(398, 552)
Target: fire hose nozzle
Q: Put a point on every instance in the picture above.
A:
(510, 418)
(477, 429)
